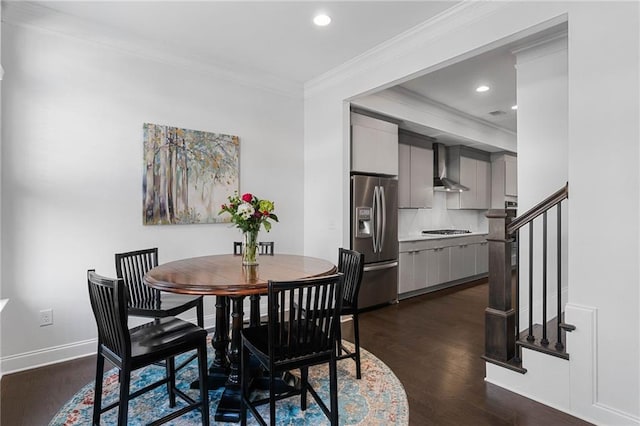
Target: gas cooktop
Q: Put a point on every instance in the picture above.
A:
(447, 231)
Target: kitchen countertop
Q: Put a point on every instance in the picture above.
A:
(422, 237)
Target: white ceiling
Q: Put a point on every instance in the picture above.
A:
(279, 40)
(455, 86)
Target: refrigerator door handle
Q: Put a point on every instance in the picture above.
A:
(383, 228)
(379, 267)
(374, 209)
(379, 218)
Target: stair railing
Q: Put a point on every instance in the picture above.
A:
(502, 319)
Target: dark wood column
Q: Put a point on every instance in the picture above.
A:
(500, 332)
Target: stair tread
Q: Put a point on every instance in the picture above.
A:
(537, 344)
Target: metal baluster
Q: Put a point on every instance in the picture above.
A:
(516, 241)
(530, 337)
(559, 344)
(544, 340)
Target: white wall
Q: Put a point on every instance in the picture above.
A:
(602, 106)
(604, 87)
(543, 164)
(72, 175)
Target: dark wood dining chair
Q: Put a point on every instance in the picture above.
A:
(147, 302)
(292, 340)
(351, 264)
(131, 349)
(264, 247)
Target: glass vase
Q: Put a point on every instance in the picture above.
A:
(250, 248)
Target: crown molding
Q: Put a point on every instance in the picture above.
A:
(401, 94)
(553, 43)
(452, 19)
(40, 17)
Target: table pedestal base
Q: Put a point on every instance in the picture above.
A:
(229, 407)
(218, 377)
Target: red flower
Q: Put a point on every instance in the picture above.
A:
(247, 197)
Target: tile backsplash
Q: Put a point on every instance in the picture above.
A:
(414, 221)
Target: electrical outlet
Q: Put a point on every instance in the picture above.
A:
(46, 317)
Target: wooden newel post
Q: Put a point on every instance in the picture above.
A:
(500, 333)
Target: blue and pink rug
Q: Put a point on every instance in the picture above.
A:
(377, 399)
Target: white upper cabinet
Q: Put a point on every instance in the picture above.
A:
(472, 169)
(421, 177)
(511, 176)
(404, 175)
(504, 179)
(465, 199)
(415, 175)
(374, 145)
(483, 184)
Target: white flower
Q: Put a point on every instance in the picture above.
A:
(246, 210)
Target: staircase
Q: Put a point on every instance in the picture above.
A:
(536, 302)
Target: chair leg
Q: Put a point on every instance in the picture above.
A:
(97, 393)
(244, 388)
(123, 407)
(204, 392)
(333, 391)
(200, 314)
(304, 386)
(339, 337)
(254, 312)
(272, 399)
(356, 334)
(171, 384)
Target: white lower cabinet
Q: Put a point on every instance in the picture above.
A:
(463, 261)
(482, 257)
(412, 271)
(438, 266)
(405, 273)
(427, 263)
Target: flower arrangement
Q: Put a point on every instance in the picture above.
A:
(249, 212)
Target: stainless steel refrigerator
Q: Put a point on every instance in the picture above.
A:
(374, 232)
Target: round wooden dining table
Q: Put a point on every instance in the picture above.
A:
(225, 277)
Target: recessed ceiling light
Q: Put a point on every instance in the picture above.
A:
(515, 107)
(482, 88)
(322, 20)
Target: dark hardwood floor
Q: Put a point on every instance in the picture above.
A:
(433, 344)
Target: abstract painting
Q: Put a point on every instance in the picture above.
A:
(188, 174)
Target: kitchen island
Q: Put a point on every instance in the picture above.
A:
(429, 262)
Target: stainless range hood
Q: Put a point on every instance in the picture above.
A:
(440, 180)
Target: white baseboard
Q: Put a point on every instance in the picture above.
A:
(55, 354)
(48, 356)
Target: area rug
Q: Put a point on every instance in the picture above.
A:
(376, 399)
